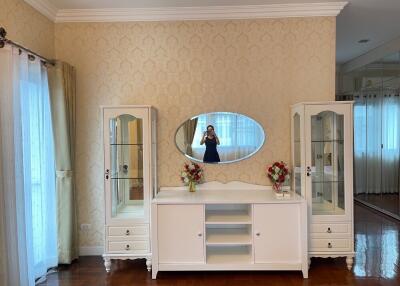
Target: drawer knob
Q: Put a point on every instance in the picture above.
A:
(258, 234)
(329, 230)
(199, 234)
(127, 247)
(127, 232)
(329, 245)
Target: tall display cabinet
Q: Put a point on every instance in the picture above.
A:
(129, 181)
(322, 158)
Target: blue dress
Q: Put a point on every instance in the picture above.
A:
(211, 154)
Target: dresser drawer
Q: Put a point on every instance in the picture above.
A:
(142, 230)
(326, 244)
(128, 246)
(326, 229)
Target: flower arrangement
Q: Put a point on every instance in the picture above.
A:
(191, 175)
(278, 173)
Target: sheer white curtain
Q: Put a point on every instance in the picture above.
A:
(390, 143)
(28, 165)
(360, 145)
(373, 139)
(238, 135)
(377, 142)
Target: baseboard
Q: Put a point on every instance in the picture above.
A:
(377, 209)
(91, 250)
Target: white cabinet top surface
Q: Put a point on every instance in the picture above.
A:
(219, 193)
(322, 103)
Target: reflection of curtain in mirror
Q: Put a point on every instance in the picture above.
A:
(376, 142)
(238, 135)
(189, 132)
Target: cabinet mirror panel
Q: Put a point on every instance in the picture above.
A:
(126, 174)
(219, 137)
(327, 163)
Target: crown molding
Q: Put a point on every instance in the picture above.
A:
(187, 13)
(200, 13)
(44, 7)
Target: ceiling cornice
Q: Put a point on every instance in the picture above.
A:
(188, 13)
(44, 7)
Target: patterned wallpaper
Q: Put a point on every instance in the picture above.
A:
(255, 67)
(28, 27)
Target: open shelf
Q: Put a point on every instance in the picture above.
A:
(229, 255)
(228, 214)
(228, 217)
(228, 236)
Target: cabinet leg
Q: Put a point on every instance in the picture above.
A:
(148, 263)
(305, 273)
(107, 264)
(154, 274)
(349, 262)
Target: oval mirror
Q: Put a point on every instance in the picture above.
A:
(219, 137)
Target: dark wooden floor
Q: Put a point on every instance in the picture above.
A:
(377, 263)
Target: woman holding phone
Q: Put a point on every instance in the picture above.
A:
(211, 140)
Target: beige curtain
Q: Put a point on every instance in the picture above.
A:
(189, 131)
(62, 96)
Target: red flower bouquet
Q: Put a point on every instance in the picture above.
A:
(191, 175)
(278, 173)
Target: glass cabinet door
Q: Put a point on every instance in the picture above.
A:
(297, 167)
(125, 173)
(325, 163)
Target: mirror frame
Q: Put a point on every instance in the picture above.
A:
(226, 162)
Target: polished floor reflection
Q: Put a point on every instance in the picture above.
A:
(376, 263)
(377, 245)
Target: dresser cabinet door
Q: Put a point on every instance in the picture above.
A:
(180, 233)
(277, 233)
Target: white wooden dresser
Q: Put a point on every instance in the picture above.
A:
(234, 226)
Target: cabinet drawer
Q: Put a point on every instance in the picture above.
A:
(329, 244)
(142, 230)
(329, 229)
(128, 246)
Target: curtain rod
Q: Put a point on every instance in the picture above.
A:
(4, 40)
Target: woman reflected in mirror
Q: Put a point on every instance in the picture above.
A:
(211, 140)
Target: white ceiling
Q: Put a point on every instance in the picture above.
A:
(377, 20)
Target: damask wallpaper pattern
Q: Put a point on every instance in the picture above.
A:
(255, 67)
(28, 27)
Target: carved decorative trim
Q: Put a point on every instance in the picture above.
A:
(44, 7)
(188, 13)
